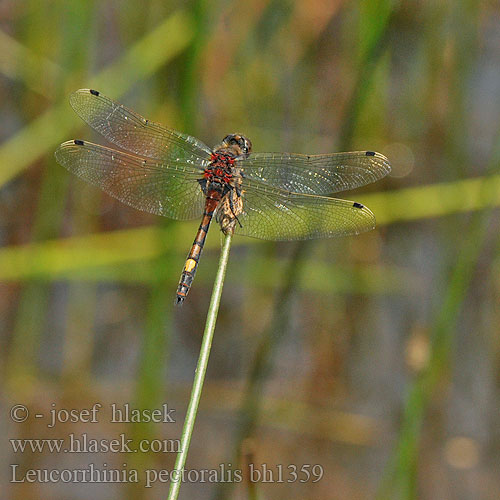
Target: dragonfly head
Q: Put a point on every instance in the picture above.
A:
(237, 144)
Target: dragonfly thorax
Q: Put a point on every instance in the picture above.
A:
(220, 169)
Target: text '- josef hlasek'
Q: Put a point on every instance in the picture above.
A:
(123, 413)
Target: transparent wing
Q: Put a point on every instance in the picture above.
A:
(316, 174)
(170, 189)
(271, 213)
(134, 133)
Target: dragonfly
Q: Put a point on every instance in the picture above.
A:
(271, 196)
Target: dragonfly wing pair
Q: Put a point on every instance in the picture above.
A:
(282, 194)
(272, 196)
(132, 132)
(271, 213)
(317, 174)
(159, 187)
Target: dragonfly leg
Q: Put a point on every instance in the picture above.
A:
(231, 204)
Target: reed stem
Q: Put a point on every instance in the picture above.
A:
(201, 369)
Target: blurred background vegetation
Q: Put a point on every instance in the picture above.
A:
(376, 356)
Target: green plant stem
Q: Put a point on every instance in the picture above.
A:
(201, 369)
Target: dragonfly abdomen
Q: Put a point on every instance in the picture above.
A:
(194, 254)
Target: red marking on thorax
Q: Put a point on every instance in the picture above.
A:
(222, 158)
(219, 168)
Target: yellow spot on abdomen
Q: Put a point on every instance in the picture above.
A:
(190, 265)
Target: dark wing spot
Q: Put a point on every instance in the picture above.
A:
(357, 205)
(94, 92)
(78, 142)
(370, 153)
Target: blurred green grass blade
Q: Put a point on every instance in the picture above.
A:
(58, 257)
(342, 279)
(144, 57)
(18, 62)
(373, 18)
(35, 297)
(374, 28)
(150, 384)
(400, 479)
(434, 200)
(190, 70)
(44, 133)
(133, 256)
(31, 318)
(252, 403)
(101, 249)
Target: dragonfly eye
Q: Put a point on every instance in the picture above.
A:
(238, 140)
(230, 140)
